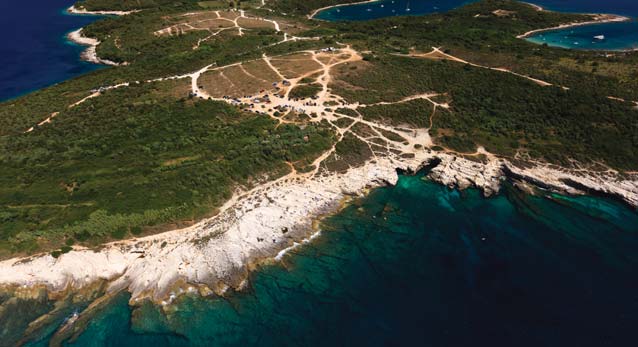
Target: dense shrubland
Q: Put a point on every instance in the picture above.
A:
(140, 157)
(130, 159)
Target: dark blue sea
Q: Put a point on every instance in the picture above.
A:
(618, 36)
(34, 51)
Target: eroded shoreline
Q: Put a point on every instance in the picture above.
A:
(76, 36)
(255, 226)
(89, 54)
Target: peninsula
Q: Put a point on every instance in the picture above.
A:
(220, 136)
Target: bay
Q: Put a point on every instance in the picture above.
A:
(618, 36)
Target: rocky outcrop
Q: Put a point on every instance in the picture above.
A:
(90, 53)
(216, 254)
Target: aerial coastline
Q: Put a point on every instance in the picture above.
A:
(598, 19)
(115, 262)
(217, 253)
(314, 13)
(81, 11)
(260, 224)
(91, 44)
(76, 36)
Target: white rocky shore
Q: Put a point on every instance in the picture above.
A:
(76, 36)
(90, 53)
(82, 10)
(216, 254)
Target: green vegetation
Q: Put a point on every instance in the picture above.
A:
(132, 158)
(305, 91)
(350, 152)
(128, 5)
(305, 7)
(502, 112)
(143, 157)
(474, 33)
(415, 113)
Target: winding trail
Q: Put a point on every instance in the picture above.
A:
(215, 254)
(176, 29)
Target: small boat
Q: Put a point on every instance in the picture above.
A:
(599, 37)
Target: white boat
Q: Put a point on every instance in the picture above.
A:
(599, 37)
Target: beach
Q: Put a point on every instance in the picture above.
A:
(598, 19)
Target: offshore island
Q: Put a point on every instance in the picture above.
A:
(224, 132)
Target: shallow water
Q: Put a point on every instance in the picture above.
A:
(34, 51)
(618, 36)
(420, 264)
(388, 8)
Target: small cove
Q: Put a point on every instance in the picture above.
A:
(617, 36)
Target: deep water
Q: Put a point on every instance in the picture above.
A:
(34, 51)
(419, 264)
(618, 36)
(388, 8)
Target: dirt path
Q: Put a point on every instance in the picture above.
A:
(542, 83)
(436, 53)
(176, 28)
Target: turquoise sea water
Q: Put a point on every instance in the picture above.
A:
(618, 36)
(419, 264)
